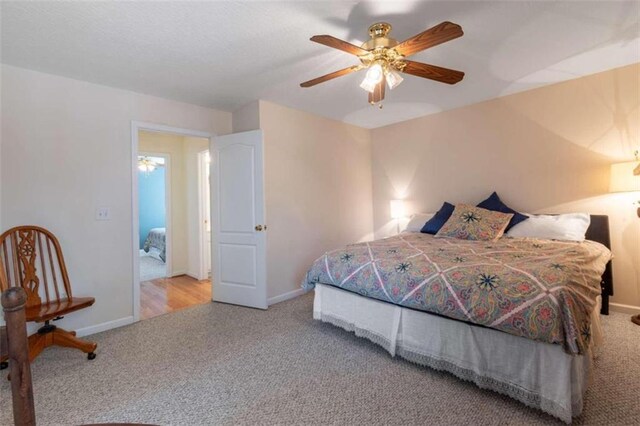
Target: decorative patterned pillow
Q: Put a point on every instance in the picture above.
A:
(475, 223)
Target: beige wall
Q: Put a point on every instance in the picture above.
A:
(67, 150)
(318, 190)
(542, 150)
(246, 118)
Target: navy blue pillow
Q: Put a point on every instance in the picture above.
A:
(494, 203)
(434, 224)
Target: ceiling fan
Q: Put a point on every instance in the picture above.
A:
(385, 58)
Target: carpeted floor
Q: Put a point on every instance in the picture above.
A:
(222, 364)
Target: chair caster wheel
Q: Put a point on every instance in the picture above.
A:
(91, 355)
(4, 365)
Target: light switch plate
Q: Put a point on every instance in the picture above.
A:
(102, 213)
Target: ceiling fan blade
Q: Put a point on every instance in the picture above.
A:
(432, 37)
(432, 72)
(336, 43)
(378, 93)
(331, 76)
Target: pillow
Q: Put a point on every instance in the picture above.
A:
(417, 221)
(567, 227)
(495, 203)
(438, 220)
(474, 223)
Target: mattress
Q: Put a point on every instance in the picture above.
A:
(538, 374)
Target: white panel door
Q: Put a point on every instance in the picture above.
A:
(239, 237)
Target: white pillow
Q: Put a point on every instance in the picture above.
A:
(567, 227)
(417, 221)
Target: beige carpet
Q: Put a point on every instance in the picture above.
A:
(221, 364)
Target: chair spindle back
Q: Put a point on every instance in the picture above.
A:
(31, 258)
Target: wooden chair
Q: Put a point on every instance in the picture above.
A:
(31, 258)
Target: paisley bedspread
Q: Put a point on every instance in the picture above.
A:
(539, 289)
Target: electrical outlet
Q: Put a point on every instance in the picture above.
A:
(102, 213)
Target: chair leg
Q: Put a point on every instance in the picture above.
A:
(56, 336)
(37, 343)
(68, 339)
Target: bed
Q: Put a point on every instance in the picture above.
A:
(518, 316)
(155, 243)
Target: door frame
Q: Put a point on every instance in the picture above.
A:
(202, 212)
(136, 127)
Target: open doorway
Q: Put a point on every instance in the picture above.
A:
(153, 192)
(172, 216)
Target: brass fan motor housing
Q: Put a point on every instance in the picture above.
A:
(379, 37)
(381, 47)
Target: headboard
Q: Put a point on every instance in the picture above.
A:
(599, 231)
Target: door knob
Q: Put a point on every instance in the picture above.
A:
(258, 228)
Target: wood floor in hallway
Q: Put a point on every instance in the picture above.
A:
(164, 295)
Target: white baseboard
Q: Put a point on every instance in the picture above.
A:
(179, 272)
(285, 296)
(195, 275)
(104, 326)
(625, 309)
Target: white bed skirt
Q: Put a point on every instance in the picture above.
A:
(540, 375)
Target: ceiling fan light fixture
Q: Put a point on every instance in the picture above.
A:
(368, 85)
(393, 78)
(146, 165)
(375, 73)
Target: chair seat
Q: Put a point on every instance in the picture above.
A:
(48, 311)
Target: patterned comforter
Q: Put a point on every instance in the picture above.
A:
(156, 238)
(540, 289)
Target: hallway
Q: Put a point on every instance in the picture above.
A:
(164, 295)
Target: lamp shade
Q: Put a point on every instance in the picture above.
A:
(397, 209)
(623, 178)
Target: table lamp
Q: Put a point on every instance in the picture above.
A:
(397, 211)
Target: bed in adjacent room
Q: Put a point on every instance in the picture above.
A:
(516, 315)
(156, 243)
(153, 255)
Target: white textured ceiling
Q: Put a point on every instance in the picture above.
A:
(226, 54)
